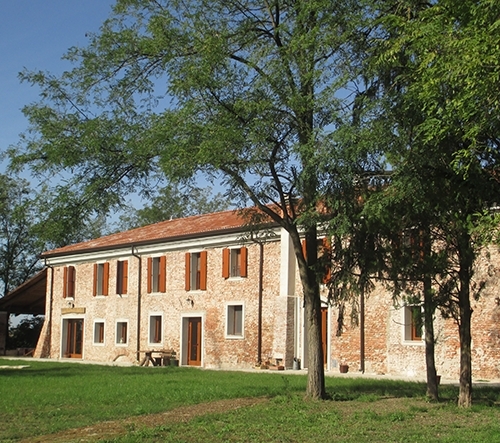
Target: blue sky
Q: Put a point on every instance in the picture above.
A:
(34, 34)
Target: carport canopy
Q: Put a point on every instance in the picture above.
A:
(28, 298)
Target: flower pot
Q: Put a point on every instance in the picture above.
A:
(344, 369)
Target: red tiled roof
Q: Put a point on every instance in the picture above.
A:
(189, 227)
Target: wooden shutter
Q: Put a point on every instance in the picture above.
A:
(65, 282)
(304, 249)
(105, 278)
(71, 281)
(243, 264)
(150, 275)
(203, 270)
(124, 277)
(225, 262)
(187, 281)
(162, 274)
(94, 284)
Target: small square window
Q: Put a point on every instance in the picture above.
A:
(99, 332)
(234, 321)
(121, 332)
(155, 329)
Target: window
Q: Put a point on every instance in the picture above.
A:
(121, 332)
(101, 279)
(234, 262)
(99, 332)
(69, 281)
(196, 271)
(413, 323)
(155, 335)
(234, 321)
(157, 274)
(121, 277)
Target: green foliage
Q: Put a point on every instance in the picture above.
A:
(244, 92)
(172, 202)
(19, 245)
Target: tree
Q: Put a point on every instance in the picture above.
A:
(244, 91)
(19, 247)
(440, 66)
(172, 202)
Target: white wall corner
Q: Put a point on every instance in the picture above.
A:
(288, 265)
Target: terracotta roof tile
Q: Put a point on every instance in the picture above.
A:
(189, 227)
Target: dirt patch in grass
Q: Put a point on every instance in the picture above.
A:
(115, 428)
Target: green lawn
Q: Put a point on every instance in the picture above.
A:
(49, 397)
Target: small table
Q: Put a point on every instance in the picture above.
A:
(156, 361)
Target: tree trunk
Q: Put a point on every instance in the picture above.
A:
(429, 310)
(464, 324)
(316, 372)
(465, 391)
(430, 362)
(312, 304)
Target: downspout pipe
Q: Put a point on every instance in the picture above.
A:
(261, 290)
(51, 301)
(362, 331)
(139, 279)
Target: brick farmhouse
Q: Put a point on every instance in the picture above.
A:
(204, 288)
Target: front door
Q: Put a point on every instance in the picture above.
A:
(74, 338)
(194, 341)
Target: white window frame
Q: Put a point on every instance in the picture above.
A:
(229, 320)
(117, 342)
(94, 336)
(407, 321)
(151, 331)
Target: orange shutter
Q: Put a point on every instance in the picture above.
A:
(243, 264)
(187, 284)
(162, 274)
(304, 249)
(94, 284)
(71, 281)
(105, 279)
(150, 273)
(225, 263)
(124, 277)
(203, 270)
(65, 282)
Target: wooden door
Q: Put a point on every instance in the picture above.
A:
(324, 333)
(74, 338)
(194, 341)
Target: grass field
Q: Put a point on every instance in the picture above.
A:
(54, 402)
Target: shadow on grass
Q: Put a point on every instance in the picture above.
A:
(373, 390)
